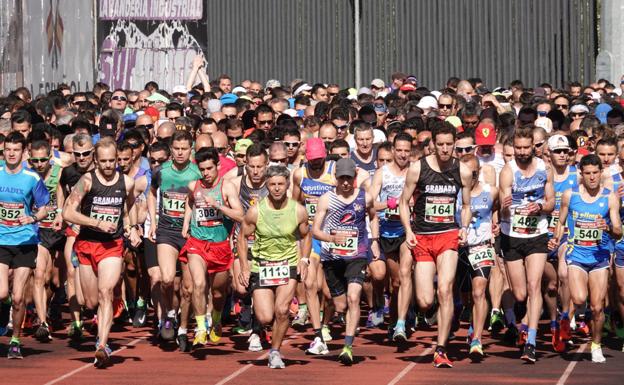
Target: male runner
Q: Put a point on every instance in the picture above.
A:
(52, 240)
(387, 185)
(527, 197)
(591, 213)
(340, 223)
(100, 203)
(435, 181)
(276, 223)
(170, 182)
(20, 190)
(207, 248)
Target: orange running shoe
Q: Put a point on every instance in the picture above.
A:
(583, 328)
(294, 307)
(440, 360)
(118, 307)
(558, 345)
(522, 338)
(565, 331)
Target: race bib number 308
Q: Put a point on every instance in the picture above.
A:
(273, 273)
(10, 212)
(208, 216)
(440, 210)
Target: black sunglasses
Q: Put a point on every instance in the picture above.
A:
(233, 138)
(145, 126)
(121, 98)
(83, 154)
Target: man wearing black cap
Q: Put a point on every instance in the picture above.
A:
(340, 224)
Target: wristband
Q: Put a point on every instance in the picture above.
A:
(374, 239)
(34, 218)
(306, 260)
(392, 203)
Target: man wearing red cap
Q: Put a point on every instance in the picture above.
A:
(309, 183)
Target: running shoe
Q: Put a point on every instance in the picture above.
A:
(29, 318)
(440, 360)
(496, 322)
(216, 332)
(522, 338)
(511, 334)
(528, 354)
(565, 332)
(102, 357)
(302, 317)
(5, 316)
(399, 334)
(201, 338)
(118, 308)
(317, 347)
(241, 330)
(140, 315)
(597, 356)
(583, 328)
(558, 345)
(43, 333)
(75, 332)
(326, 333)
(346, 356)
(182, 341)
(275, 360)
(369, 320)
(619, 330)
(378, 317)
(14, 353)
(255, 345)
(293, 309)
(386, 308)
(476, 350)
(167, 330)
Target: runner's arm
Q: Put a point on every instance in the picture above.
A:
(466, 179)
(375, 188)
(73, 201)
(614, 214)
(296, 189)
(374, 226)
(233, 208)
(304, 230)
(413, 173)
(248, 227)
(319, 217)
(130, 214)
(504, 192)
(563, 214)
(549, 193)
(188, 209)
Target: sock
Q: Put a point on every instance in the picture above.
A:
(495, 310)
(78, 324)
(510, 316)
(182, 331)
(303, 306)
(400, 324)
(524, 328)
(15, 340)
(349, 340)
(201, 322)
(319, 333)
(171, 314)
(470, 330)
(140, 302)
(440, 349)
(532, 336)
(273, 350)
(554, 324)
(594, 345)
(565, 315)
(216, 317)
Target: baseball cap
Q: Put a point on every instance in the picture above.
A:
(214, 105)
(157, 97)
(601, 112)
(273, 83)
(427, 102)
(545, 123)
(378, 83)
(579, 109)
(242, 145)
(364, 90)
(239, 89)
(345, 167)
(408, 87)
(557, 142)
(315, 149)
(153, 113)
(456, 122)
(301, 87)
(228, 98)
(485, 135)
(179, 90)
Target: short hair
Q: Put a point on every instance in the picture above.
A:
(81, 139)
(160, 146)
(207, 153)
(277, 170)
(39, 144)
(402, 136)
(292, 132)
(387, 146)
(182, 135)
(439, 127)
(21, 116)
(68, 138)
(263, 109)
(525, 132)
(608, 141)
(15, 137)
(124, 146)
(106, 142)
(361, 126)
(339, 143)
(254, 150)
(590, 160)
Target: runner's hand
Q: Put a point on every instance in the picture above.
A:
(375, 250)
(495, 229)
(410, 239)
(25, 220)
(620, 191)
(506, 202)
(302, 269)
(463, 237)
(243, 277)
(135, 238)
(57, 225)
(339, 238)
(185, 231)
(151, 235)
(601, 223)
(553, 243)
(107, 227)
(198, 61)
(533, 208)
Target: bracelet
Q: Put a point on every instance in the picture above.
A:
(34, 218)
(374, 239)
(306, 260)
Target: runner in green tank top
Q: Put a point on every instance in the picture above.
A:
(210, 201)
(277, 222)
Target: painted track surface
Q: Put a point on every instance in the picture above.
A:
(138, 360)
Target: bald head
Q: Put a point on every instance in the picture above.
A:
(464, 87)
(219, 139)
(165, 130)
(203, 140)
(217, 116)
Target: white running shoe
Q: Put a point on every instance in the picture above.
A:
(255, 345)
(275, 360)
(597, 356)
(317, 347)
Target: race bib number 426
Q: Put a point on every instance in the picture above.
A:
(10, 212)
(440, 210)
(481, 256)
(273, 273)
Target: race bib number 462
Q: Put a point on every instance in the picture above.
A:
(273, 273)
(440, 210)
(10, 212)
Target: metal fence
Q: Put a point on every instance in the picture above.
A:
(498, 40)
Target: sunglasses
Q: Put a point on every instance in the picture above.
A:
(562, 106)
(581, 114)
(179, 94)
(470, 123)
(233, 138)
(265, 122)
(220, 150)
(465, 149)
(381, 160)
(444, 106)
(134, 145)
(539, 144)
(120, 98)
(1, 152)
(542, 113)
(292, 144)
(145, 126)
(342, 128)
(332, 94)
(280, 160)
(39, 160)
(560, 151)
(155, 161)
(83, 154)
(240, 156)
(233, 117)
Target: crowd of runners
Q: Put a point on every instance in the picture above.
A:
(212, 210)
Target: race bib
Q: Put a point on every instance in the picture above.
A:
(310, 204)
(554, 220)
(208, 216)
(392, 214)
(173, 204)
(273, 273)
(349, 247)
(10, 212)
(440, 210)
(48, 221)
(523, 222)
(481, 256)
(105, 213)
(587, 234)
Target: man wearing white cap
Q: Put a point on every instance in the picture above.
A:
(427, 104)
(377, 87)
(578, 111)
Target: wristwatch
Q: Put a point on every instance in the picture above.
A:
(34, 218)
